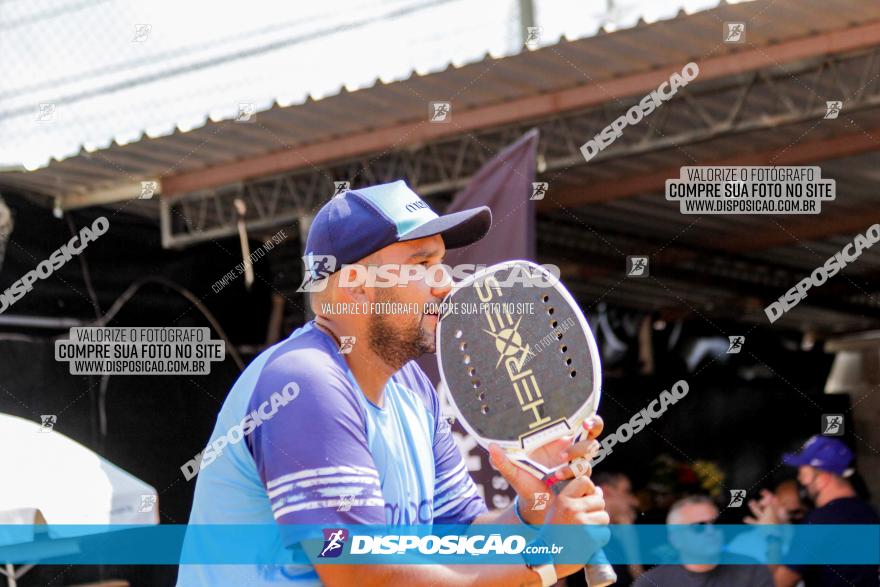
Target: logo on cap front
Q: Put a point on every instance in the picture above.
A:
(417, 205)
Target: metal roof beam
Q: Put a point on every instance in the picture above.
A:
(807, 152)
(533, 107)
(801, 230)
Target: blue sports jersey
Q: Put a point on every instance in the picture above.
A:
(327, 446)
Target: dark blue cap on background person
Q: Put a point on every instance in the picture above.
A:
(825, 453)
(359, 222)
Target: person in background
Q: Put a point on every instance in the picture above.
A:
(752, 543)
(696, 538)
(622, 507)
(789, 497)
(824, 466)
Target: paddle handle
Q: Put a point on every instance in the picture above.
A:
(601, 573)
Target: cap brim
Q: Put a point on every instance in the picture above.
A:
(458, 229)
(794, 460)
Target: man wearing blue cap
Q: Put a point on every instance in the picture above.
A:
(358, 437)
(824, 466)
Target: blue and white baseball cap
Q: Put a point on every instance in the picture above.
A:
(825, 453)
(360, 222)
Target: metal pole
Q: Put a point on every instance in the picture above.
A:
(526, 18)
(304, 223)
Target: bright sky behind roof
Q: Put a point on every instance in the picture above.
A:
(119, 69)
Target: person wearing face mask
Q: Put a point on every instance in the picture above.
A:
(824, 469)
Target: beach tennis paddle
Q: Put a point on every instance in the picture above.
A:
(521, 368)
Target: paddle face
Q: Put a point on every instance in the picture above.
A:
(517, 357)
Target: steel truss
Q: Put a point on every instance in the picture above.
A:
(749, 102)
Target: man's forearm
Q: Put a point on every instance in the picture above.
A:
(508, 516)
(503, 516)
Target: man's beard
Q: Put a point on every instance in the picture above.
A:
(397, 340)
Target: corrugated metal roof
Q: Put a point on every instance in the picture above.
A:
(569, 64)
(565, 64)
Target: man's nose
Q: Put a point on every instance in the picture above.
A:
(441, 282)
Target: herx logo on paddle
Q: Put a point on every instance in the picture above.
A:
(334, 541)
(513, 353)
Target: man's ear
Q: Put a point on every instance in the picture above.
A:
(352, 285)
